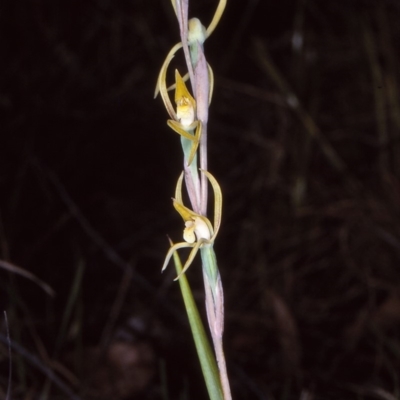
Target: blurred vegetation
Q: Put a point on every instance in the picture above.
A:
(304, 139)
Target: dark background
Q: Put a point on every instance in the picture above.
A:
(304, 139)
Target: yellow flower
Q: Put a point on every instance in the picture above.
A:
(185, 123)
(198, 230)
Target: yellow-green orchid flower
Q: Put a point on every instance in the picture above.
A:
(198, 230)
(185, 122)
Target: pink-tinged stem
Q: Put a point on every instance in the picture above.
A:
(202, 91)
(183, 11)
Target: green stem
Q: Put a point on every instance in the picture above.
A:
(209, 262)
(215, 312)
(203, 348)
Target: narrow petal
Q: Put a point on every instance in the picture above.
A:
(178, 190)
(211, 79)
(190, 259)
(174, 5)
(217, 16)
(162, 84)
(177, 127)
(196, 142)
(171, 251)
(218, 203)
